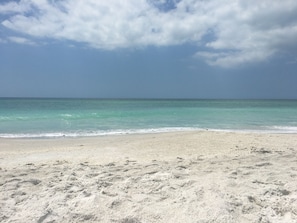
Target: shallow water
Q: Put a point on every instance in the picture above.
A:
(91, 117)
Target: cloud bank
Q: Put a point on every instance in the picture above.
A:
(227, 32)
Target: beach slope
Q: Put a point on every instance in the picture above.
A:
(195, 176)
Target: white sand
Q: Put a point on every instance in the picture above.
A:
(171, 177)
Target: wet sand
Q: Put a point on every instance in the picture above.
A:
(194, 176)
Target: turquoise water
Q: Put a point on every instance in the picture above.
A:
(90, 117)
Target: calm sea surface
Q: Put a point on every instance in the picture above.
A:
(90, 117)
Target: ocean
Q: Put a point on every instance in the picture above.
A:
(43, 118)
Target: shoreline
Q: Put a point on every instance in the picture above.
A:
(201, 142)
(203, 176)
(144, 146)
(120, 132)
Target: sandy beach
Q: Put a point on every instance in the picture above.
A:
(195, 176)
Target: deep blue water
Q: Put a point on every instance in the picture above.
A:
(90, 117)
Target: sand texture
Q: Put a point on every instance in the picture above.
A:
(171, 177)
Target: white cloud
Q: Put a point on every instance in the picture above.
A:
(13, 7)
(243, 31)
(20, 40)
(234, 58)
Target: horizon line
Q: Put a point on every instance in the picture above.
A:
(144, 98)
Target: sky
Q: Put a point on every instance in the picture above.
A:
(149, 49)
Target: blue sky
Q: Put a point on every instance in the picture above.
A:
(148, 49)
